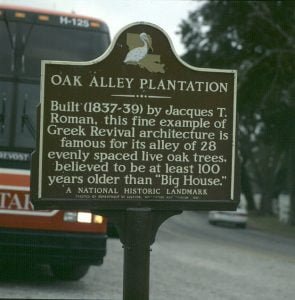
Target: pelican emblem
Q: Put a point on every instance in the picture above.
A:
(139, 46)
(135, 55)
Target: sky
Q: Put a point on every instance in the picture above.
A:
(167, 14)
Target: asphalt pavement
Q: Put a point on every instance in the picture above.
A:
(190, 260)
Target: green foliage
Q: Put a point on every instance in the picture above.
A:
(258, 39)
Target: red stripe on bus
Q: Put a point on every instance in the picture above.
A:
(15, 179)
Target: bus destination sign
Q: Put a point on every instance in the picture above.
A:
(136, 127)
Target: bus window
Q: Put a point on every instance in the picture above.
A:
(25, 45)
(58, 43)
(5, 49)
(25, 130)
(6, 92)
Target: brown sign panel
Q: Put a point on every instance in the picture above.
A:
(136, 127)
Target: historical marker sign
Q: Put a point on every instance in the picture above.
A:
(136, 128)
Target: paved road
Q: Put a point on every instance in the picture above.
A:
(190, 260)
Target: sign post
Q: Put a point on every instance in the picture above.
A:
(139, 135)
(137, 229)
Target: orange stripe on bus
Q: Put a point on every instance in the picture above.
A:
(13, 179)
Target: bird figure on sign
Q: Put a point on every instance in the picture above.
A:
(134, 56)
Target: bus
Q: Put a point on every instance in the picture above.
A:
(68, 241)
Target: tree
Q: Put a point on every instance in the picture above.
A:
(257, 39)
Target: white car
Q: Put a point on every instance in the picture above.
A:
(238, 217)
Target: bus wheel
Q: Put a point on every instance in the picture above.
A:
(69, 271)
